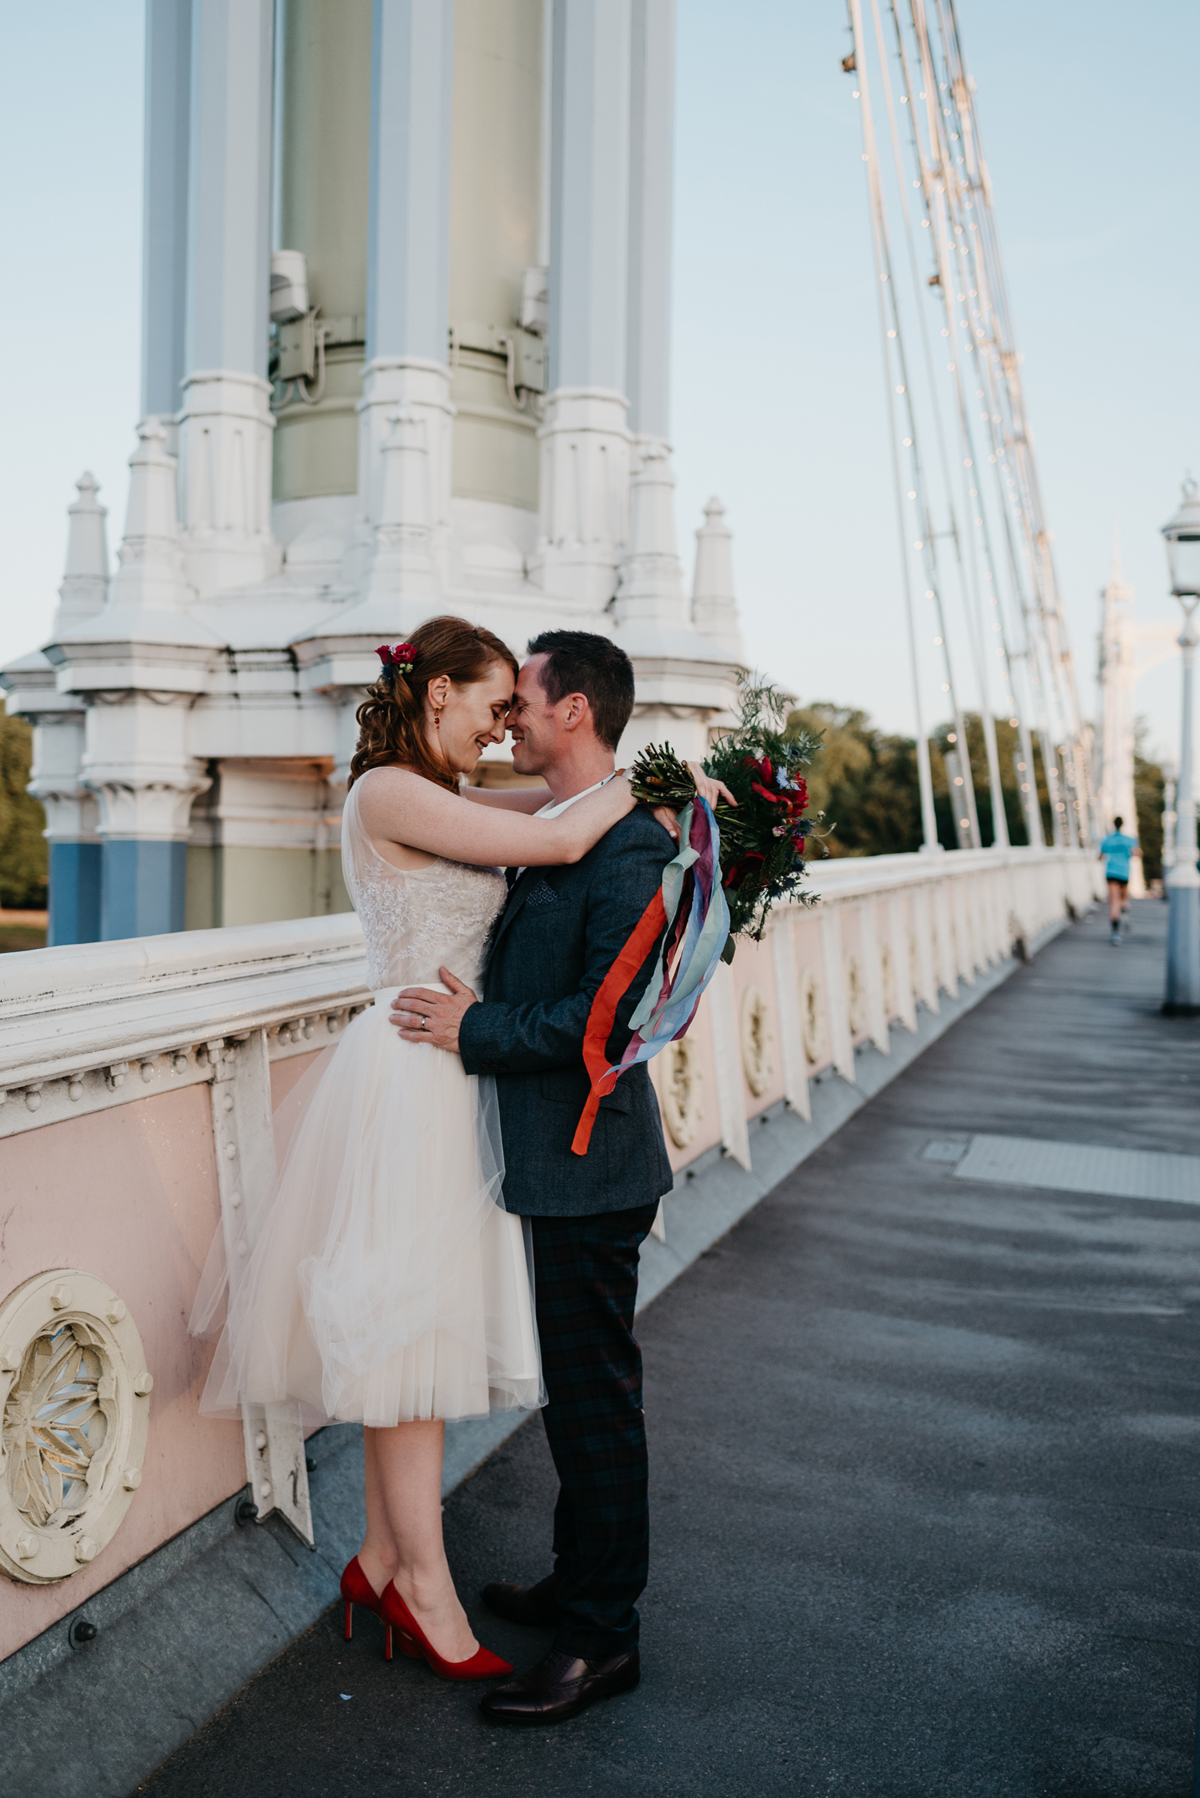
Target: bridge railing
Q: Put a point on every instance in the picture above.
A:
(137, 1081)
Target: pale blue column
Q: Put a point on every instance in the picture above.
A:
(651, 189)
(165, 204)
(226, 424)
(229, 186)
(142, 887)
(408, 247)
(408, 292)
(589, 193)
(74, 903)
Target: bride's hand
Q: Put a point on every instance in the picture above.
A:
(713, 790)
(706, 787)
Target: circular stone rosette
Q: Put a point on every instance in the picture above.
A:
(74, 1407)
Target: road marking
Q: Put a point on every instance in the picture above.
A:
(1079, 1167)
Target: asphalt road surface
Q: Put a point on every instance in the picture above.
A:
(925, 1482)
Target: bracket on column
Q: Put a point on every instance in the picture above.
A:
(241, 1113)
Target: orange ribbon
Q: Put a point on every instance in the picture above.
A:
(617, 982)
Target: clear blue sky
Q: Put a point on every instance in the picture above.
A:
(1088, 118)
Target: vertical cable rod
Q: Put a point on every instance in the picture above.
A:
(886, 306)
(1050, 615)
(968, 569)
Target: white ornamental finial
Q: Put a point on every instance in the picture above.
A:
(714, 603)
(151, 574)
(651, 580)
(85, 578)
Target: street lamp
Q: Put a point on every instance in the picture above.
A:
(1168, 820)
(1183, 881)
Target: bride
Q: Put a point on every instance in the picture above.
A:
(388, 1285)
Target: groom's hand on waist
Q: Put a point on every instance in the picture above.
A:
(423, 1016)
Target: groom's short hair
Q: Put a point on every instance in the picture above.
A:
(581, 662)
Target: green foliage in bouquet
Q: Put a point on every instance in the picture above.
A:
(763, 837)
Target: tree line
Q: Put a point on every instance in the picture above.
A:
(22, 820)
(865, 781)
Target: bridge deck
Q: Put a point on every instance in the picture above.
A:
(925, 1482)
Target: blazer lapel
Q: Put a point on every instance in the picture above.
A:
(517, 894)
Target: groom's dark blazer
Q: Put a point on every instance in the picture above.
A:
(555, 941)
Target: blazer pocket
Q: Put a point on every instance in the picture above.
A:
(541, 896)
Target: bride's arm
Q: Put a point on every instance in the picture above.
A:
(399, 807)
(510, 799)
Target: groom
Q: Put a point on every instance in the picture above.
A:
(557, 938)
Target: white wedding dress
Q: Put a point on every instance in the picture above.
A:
(387, 1283)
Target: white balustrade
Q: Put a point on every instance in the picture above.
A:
(99, 1044)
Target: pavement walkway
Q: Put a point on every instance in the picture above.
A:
(925, 1485)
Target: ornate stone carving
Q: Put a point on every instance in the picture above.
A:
(756, 1042)
(74, 1393)
(812, 1016)
(681, 1106)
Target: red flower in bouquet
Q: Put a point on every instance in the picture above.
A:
(762, 845)
(739, 869)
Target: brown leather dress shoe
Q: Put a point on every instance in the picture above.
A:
(534, 1605)
(560, 1686)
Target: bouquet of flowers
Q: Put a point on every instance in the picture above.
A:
(763, 837)
(731, 867)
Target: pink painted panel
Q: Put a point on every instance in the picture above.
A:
(708, 1130)
(810, 959)
(129, 1195)
(754, 965)
(285, 1074)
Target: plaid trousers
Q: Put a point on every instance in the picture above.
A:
(586, 1272)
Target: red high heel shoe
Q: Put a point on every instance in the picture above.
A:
(357, 1589)
(483, 1664)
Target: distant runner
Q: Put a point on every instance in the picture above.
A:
(1115, 853)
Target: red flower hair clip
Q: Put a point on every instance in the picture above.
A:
(399, 656)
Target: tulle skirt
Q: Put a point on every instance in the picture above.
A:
(387, 1282)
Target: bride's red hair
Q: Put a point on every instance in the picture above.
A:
(391, 719)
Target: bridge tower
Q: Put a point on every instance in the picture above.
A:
(406, 346)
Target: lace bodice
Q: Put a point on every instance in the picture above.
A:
(417, 920)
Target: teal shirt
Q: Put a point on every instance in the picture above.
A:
(1117, 849)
